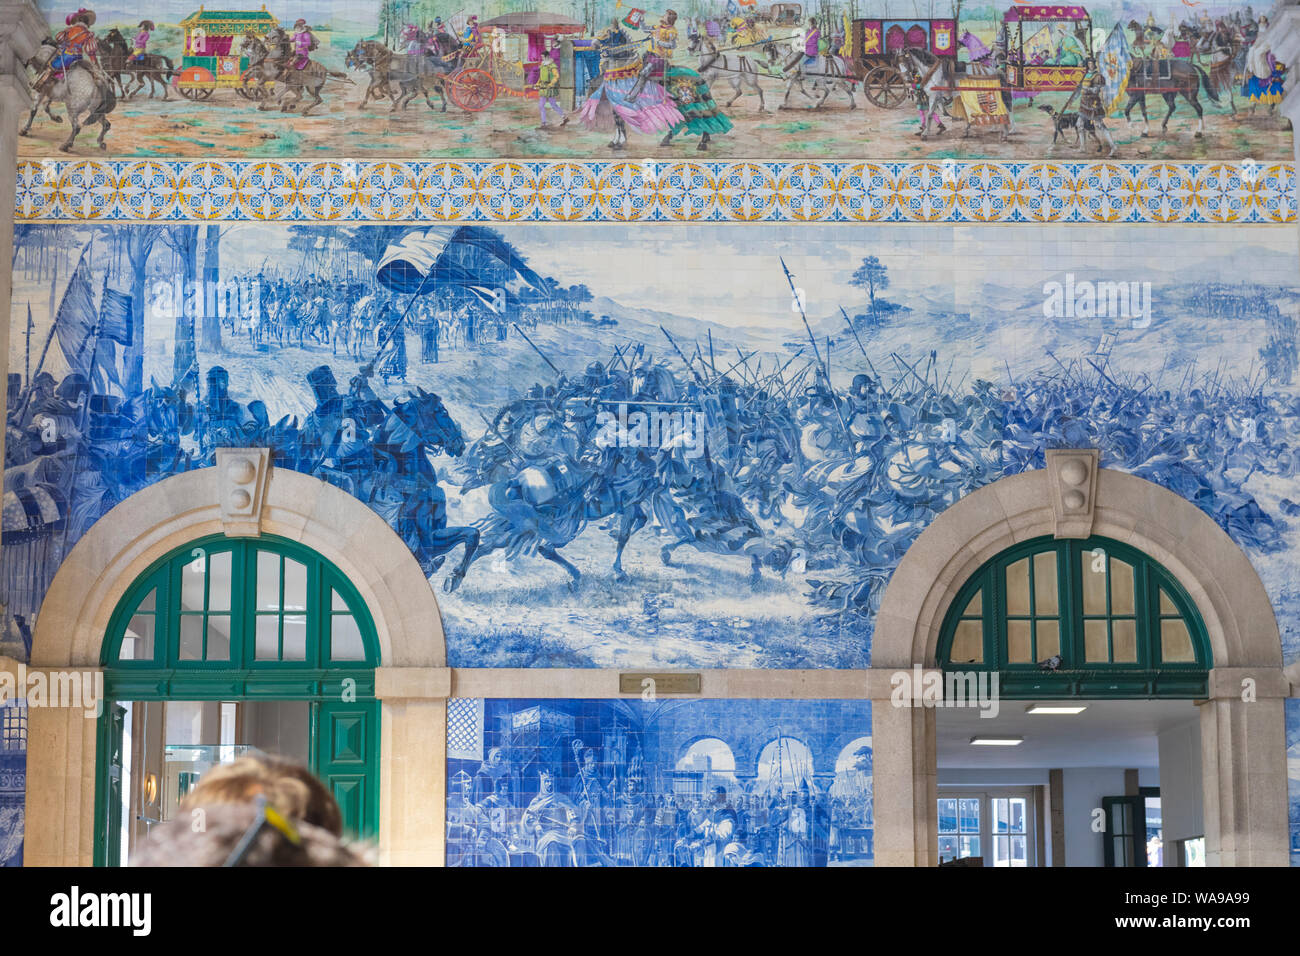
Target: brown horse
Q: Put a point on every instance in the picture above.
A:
(411, 73)
(271, 61)
(1169, 78)
(152, 68)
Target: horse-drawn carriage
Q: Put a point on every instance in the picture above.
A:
(1035, 61)
(875, 45)
(211, 58)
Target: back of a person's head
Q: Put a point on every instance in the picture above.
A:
(209, 835)
(287, 785)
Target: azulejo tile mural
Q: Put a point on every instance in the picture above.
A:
(653, 191)
(656, 448)
(659, 783)
(1132, 82)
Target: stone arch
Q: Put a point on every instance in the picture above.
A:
(412, 680)
(1244, 773)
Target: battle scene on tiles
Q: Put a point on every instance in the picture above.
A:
(898, 79)
(705, 446)
(659, 783)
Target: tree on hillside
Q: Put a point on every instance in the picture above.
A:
(873, 277)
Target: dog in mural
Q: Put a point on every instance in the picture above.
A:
(83, 88)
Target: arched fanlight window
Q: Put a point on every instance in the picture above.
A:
(244, 604)
(1092, 618)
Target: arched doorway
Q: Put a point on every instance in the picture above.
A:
(1240, 714)
(228, 645)
(411, 681)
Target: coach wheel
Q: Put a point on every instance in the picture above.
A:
(885, 87)
(196, 93)
(473, 90)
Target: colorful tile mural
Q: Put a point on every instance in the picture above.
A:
(659, 783)
(651, 450)
(1132, 81)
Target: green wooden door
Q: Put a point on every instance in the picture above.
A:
(108, 842)
(345, 755)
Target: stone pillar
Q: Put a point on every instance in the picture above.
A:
(21, 29)
(905, 778)
(1283, 38)
(1243, 749)
(413, 765)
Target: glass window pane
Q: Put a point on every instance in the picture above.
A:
(1094, 642)
(1166, 604)
(337, 603)
(137, 642)
(218, 637)
(267, 638)
(147, 602)
(968, 643)
(1001, 820)
(947, 815)
(345, 639)
(1019, 851)
(1121, 587)
(969, 811)
(1018, 587)
(1094, 584)
(1045, 592)
(191, 637)
(1175, 642)
(295, 637)
(219, 581)
(1049, 639)
(1125, 643)
(970, 846)
(193, 575)
(295, 585)
(1019, 650)
(947, 848)
(1017, 815)
(268, 581)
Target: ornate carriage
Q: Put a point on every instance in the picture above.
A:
(1027, 38)
(210, 59)
(874, 45)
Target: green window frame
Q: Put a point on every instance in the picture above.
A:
(290, 623)
(1119, 624)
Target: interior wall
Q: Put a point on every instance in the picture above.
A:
(1181, 793)
(279, 727)
(1084, 789)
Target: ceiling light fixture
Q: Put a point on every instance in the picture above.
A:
(1056, 708)
(997, 741)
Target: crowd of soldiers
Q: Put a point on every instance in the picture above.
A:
(616, 822)
(797, 473)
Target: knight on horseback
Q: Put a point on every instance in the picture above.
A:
(303, 44)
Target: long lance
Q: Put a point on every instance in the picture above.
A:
(536, 349)
(719, 378)
(855, 337)
(825, 370)
(711, 364)
(673, 343)
(368, 369)
(492, 428)
(27, 355)
(771, 378)
(915, 373)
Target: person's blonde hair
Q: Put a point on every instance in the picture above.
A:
(208, 835)
(288, 786)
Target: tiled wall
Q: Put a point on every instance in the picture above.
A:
(659, 783)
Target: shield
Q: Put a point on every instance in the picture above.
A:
(942, 39)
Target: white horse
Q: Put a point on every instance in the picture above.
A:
(742, 76)
(825, 73)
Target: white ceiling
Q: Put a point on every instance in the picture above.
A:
(1110, 733)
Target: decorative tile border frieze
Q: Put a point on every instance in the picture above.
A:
(154, 190)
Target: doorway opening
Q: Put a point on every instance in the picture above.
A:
(226, 646)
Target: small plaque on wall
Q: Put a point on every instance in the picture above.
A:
(649, 685)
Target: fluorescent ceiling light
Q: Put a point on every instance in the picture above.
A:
(997, 741)
(1056, 708)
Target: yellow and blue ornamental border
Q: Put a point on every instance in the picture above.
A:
(928, 191)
